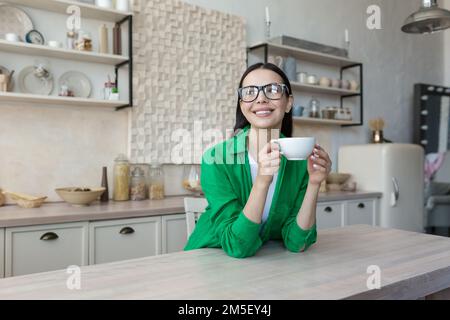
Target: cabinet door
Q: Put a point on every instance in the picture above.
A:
(329, 215)
(2, 253)
(174, 233)
(124, 239)
(45, 248)
(361, 212)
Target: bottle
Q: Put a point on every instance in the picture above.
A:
(138, 185)
(121, 178)
(156, 188)
(71, 40)
(105, 195)
(117, 39)
(103, 47)
(314, 105)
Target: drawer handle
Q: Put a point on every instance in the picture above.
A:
(127, 230)
(361, 206)
(328, 209)
(49, 236)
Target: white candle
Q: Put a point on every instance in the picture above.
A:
(346, 36)
(267, 15)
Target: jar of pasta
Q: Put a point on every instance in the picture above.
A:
(156, 188)
(138, 185)
(121, 179)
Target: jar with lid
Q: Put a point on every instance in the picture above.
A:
(314, 108)
(138, 185)
(156, 187)
(84, 42)
(121, 179)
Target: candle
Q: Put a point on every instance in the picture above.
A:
(346, 36)
(267, 15)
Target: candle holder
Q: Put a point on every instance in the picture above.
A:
(268, 23)
(347, 47)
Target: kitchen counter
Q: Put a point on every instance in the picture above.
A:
(412, 265)
(50, 213)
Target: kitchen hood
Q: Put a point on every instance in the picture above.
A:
(430, 18)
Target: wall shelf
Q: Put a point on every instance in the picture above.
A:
(46, 51)
(342, 63)
(322, 121)
(88, 11)
(55, 100)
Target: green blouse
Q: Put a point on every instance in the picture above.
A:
(226, 181)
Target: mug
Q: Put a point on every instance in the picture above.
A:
(324, 82)
(311, 79)
(354, 86)
(296, 149)
(12, 37)
(123, 5)
(336, 83)
(54, 44)
(301, 77)
(297, 111)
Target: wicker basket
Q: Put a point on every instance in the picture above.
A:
(26, 201)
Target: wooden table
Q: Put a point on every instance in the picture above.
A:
(412, 266)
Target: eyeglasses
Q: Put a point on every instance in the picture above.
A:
(273, 91)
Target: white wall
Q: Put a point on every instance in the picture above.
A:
(393, 61)
(446, 5)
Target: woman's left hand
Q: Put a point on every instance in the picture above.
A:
(319, 166)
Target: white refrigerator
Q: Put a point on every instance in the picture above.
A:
(395, 170)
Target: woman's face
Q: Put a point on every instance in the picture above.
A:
(264, 113)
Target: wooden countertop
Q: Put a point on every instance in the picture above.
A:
(50, 213)
(412, 265)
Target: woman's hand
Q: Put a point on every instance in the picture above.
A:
(269, 160)
(319, 166)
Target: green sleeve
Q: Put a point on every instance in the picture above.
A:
(295, 238)
(238, 236)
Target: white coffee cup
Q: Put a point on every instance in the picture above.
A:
(296, 149)
(12, 37)
(54, 44)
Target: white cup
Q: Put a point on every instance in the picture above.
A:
(12, 37)
(296, 149)
(107, 4)
(123, 5)
(54, 44)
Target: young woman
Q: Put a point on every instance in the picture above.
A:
(254, 193)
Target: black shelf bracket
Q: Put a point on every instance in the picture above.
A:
(360, 94)
(129, 62)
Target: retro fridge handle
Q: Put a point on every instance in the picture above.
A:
(396, 193)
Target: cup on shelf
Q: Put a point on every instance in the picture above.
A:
(106, 4)
(54, 44)
(345, 84)
(123, 5)
(354, 86)
(12, 37)
(301, 77)
(311, 79)
(297, 111)
(336, 83)
(324, 82)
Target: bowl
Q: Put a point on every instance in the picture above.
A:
(337, 178)
(80, 196)
(26, 201)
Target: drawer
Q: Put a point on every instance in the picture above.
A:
(174, 233)
(124, 239)
(329, 215)
(45, 248)
(2, 253)
(360, 212)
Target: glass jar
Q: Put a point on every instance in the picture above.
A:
(156, 187)
(138, 185)
(121, 178)
(191, 179)
(84, 42)
(314, 108)
(71, 40)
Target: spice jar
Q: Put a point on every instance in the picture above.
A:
(138, 185)
(314, 105)
(156, 188)
(84, 42)
(121, 179)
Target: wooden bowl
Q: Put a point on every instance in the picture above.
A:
(77, 197)
(337, 178)
(26, 201)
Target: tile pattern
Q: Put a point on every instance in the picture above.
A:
(188, 62)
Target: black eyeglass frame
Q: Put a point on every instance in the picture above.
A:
(262, 88)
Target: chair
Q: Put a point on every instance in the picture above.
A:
(194, 207)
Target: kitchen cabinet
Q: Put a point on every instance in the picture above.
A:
(124, 239)
(336, 214)
(45, 248)
(174, 233)
(2, 253)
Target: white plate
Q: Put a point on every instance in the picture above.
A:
(14, 20)
(29, 83)
(77, 82)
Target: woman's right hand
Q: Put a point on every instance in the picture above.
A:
(269, 159)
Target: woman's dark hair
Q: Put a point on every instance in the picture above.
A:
(242, 122)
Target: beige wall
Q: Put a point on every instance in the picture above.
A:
(446, 5)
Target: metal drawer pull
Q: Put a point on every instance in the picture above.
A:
(127, 230)
(328, 209)
(49, 236)
(361, 206)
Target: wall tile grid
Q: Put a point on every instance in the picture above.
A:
(188, 61)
